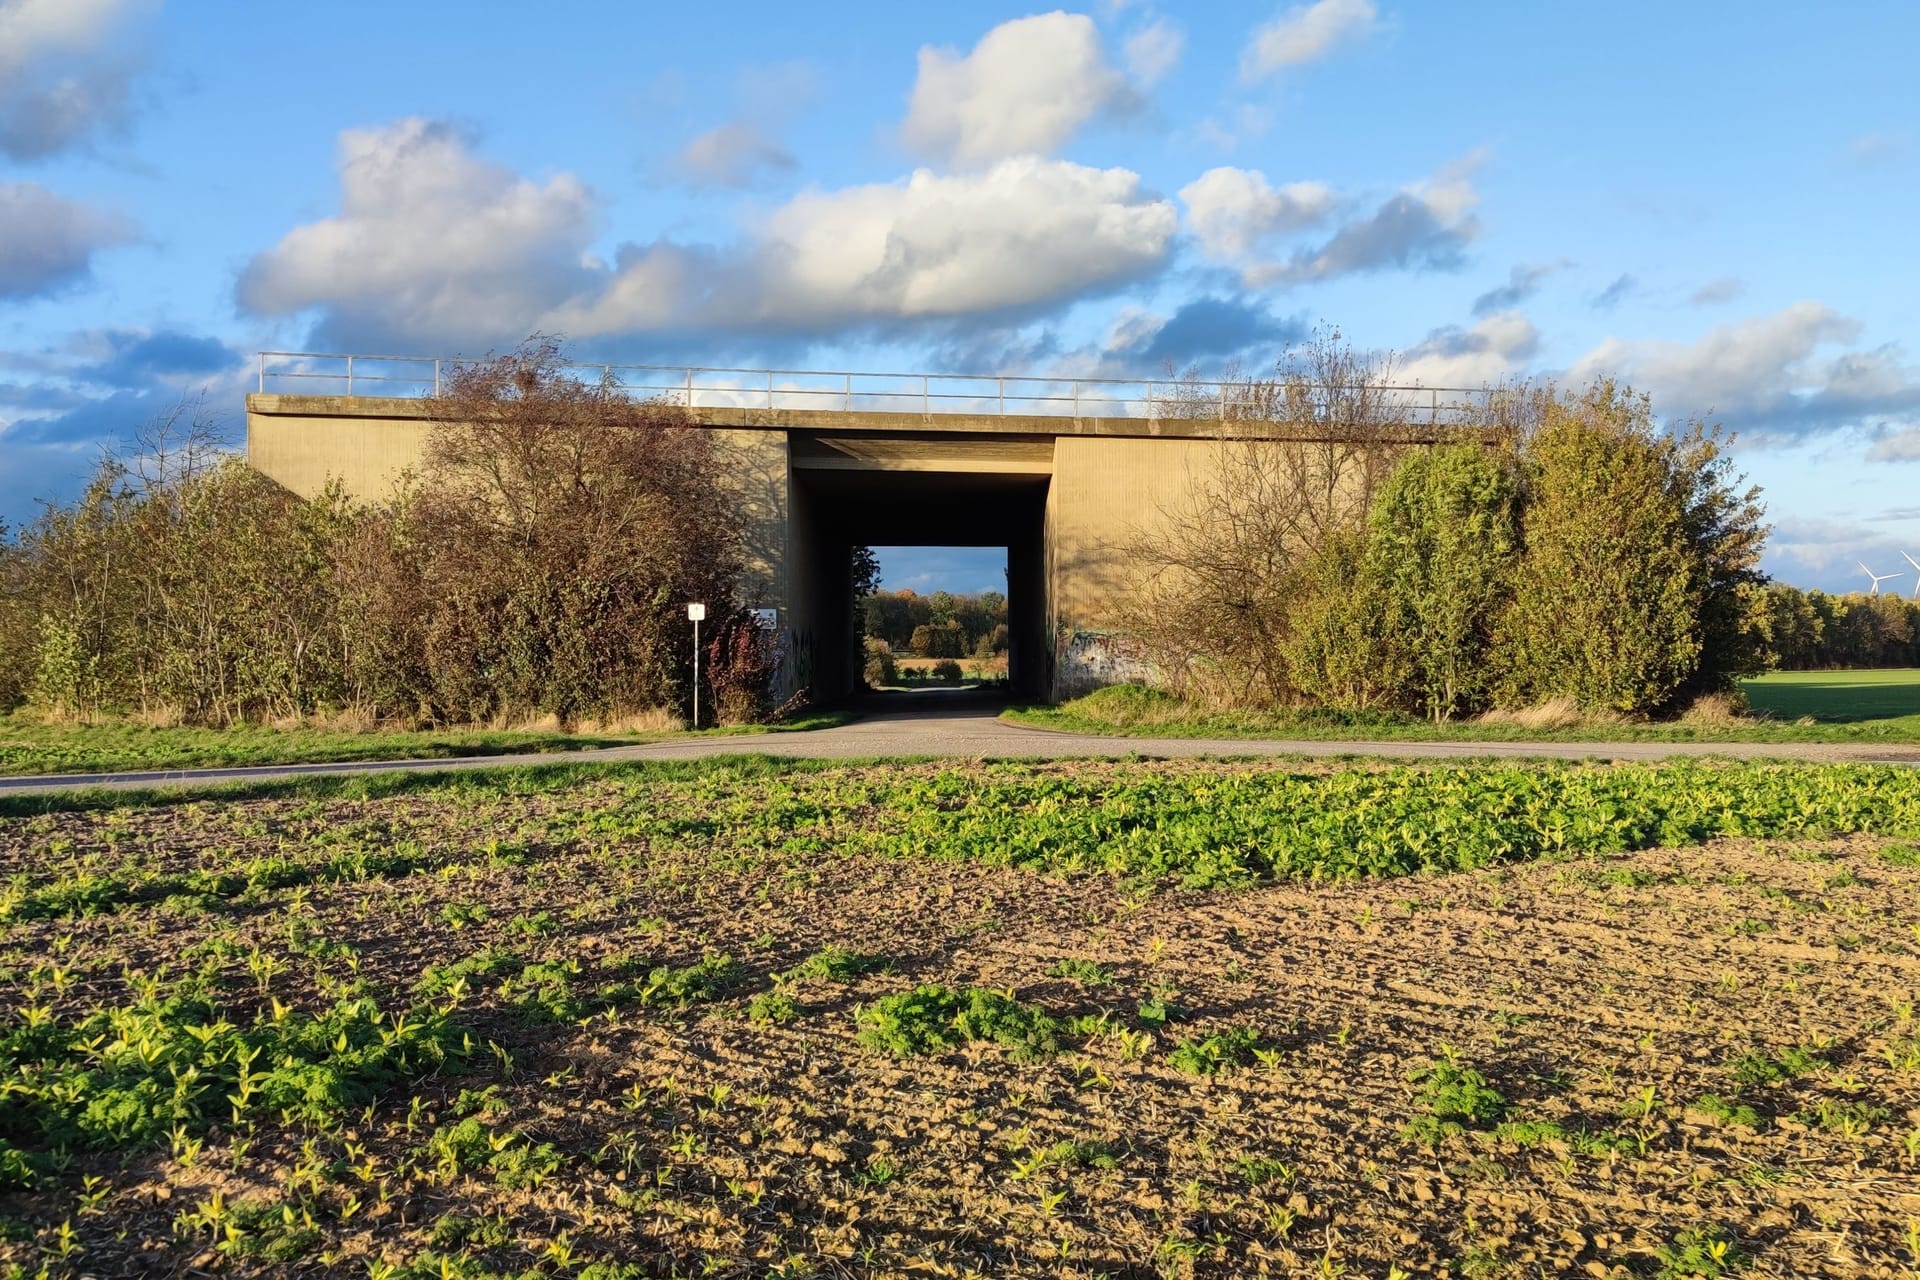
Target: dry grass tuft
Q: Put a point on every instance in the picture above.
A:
(1553, 714)
(162, 717)
(650, 720)
(349, 720)
(528, 722)
(1721, 709)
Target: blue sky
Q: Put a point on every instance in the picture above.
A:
(1714, 201)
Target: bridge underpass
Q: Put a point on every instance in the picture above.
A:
(930, 496)
(1066, 475)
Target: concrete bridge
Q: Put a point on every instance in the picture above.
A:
(1064, 474)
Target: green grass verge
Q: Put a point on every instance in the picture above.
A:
(30, 746)
(1842, 706)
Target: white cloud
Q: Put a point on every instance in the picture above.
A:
(1497, 347)
(50, 240)
(1026, 233)
(1449, 193)
(1753, 364)
(437, 248)
(430, 241)
(62, 75)
(1237, 216)
(1232, 211)
(1153, 51)
(1025, 89)
(1305, 33)
(1774, 372)
(35, 29)
(730, 155)
(1832, 550)
(1901, 446)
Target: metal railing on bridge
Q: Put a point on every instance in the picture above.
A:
(849, 391)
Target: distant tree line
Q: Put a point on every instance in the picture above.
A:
(1812, 630)
(1563, 547)
(537, 567)
(939, 625)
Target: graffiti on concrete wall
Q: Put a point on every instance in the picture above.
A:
(792, 662)
(1087, 660)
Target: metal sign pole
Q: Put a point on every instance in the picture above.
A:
(695, 612)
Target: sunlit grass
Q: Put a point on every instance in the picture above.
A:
(1788, 706)
(31, 745)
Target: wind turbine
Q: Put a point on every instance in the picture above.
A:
(1879, 578)
(1916, 566)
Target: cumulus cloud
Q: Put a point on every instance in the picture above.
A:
(64, 72)
(1724, 289)
(50, 241)
(1776, 372)
(1305, 33)
(1233, 211)
(431, 241)
(1025, 89)
(1496, 348)
(1025, 234)
(1237, 216)
(1522, 283)
(730, 155)
(1153, 51)
(436, 247)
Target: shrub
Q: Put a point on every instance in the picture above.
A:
(1580, 550)
(537, 568)
(1640, 552)
(1441, 543)
(1342, 652)
(948, 670)
(880, 670)
(739, 670)
(939, 640)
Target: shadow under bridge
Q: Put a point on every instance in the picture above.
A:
(936, 491)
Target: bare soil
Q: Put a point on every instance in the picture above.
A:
(1607, 997)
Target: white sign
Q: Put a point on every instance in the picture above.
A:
(696, 613)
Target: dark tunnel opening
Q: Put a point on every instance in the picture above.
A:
(836, 509)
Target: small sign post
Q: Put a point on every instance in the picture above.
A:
(695, 614)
